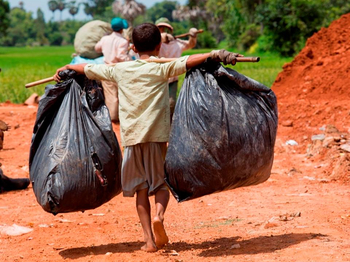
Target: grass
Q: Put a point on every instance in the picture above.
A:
(22, 65)
(227, 222)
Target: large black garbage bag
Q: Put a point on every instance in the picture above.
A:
(223, 133)
(75, 159)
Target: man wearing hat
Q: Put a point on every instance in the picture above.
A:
(173, 48)
(114, 48)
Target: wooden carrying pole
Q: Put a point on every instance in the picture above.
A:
(39, 82)
(187, 34)
(238, 59)
(156, 60)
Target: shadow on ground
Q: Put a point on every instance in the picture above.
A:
(215, 248)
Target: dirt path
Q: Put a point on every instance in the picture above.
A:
(299, 214)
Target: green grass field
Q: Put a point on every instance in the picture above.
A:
(20, 66)
(24, 65)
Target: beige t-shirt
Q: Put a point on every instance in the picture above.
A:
(143, 94)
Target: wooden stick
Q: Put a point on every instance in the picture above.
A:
(156, 60)
(187, 34)
(248, 59)
(238, 59)
(39, 82)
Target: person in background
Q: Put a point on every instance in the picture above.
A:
(173, 48)
(145, 122)
(114, 48)
(131, 52)
(9, 184)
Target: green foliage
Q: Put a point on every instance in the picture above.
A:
(289, 23)
(5, 21)
(96, 7)
(232, 21)
(334, 9)
(55, 39)
(248, 36)
(206, 40)
(180, 27)
(68, 29)
(26, 31)
(106, 16)
(161, 9)
(40, 27)
(279, 25)
(21, 30)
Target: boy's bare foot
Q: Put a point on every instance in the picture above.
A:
(161, 237)
(149, 248)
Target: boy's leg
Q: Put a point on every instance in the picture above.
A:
(110, 92)
(172, 97)
(144, 211)
(161, 201)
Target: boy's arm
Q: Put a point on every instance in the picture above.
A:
(79, 68)
(217, 55)
(197, 59)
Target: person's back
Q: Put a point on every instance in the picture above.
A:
(114, 46)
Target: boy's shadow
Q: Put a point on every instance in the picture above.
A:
(232, 246)
(214, 248)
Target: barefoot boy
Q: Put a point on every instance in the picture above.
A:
(145, 122)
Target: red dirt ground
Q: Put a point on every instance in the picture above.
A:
(302, 213)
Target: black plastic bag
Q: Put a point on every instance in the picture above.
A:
(75, 159)
(223, 133)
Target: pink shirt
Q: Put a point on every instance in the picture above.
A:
(174, 49)
(114, 48)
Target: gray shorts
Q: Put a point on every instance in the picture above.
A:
(143, 167)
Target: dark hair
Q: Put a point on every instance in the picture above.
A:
(146, 37)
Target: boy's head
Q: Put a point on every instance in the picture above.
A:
(146, 37)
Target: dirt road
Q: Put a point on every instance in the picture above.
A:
(299, 214)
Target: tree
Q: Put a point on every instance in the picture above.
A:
(129, 10)
(40, 27)
(53, 6)
(237, 20)
(201, 16)
(61, 5)
(4, 18)
(162, 9)
(334, 9)
(288, 24)
(22, 30)
(96, 7)
(73, 9)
